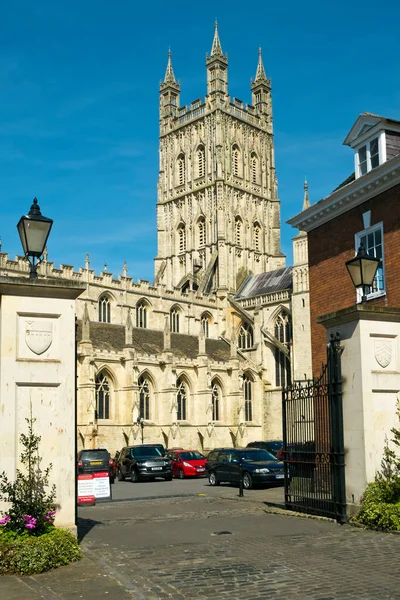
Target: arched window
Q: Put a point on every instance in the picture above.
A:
(181, 398)
(201, 162)
(204, 324)
(215, 400)
(174, 319)
(182, 237)
(104, 309)
(283, 328)
(245, 337)
(254, 167)
(201, 223)
(144, 398)
(235, 160)
(283, 333)
(248, 398)
(141, 314)
(181, 169)
(238, 231)
(102, 396)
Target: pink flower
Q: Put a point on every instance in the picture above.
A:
(27, 518)
(30, 526)
(50, 516)
(4, 520)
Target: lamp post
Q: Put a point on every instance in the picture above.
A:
(34, 230)
(362, 270)
(140, 421)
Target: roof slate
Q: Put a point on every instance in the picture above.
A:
(111, 338)
(266, 283)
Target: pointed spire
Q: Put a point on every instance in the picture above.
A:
(306, 201)
(87, 261)
(260, 73)
(128, 330)
(167, 334)
(216, 49)
(169, 73)
(124, 269)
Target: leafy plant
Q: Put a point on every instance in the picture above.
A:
(32, 508)
(26, 554)
(380, 505)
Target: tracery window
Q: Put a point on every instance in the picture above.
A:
(181, 399)
(102, 396)
(104, 309)
(141, 314)
(174, 320)
(204, 324)
(201, 161)
(181, 169)
(202, 232)
(238, 231)
(245, 337)
(144, 398)
(248, 398)
(283, 333)
(235, 160)
(215, 400)
(182, 238)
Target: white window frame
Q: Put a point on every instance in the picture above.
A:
(380, 135)
(357, 241)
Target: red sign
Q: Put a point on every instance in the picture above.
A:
(86, 489)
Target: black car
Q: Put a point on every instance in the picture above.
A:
(256, 465)
(93, 461)
(272, 446)
(143, 462)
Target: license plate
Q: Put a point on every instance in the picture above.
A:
(96, 462)
(280, 476)
(156, 468)
(200, 470)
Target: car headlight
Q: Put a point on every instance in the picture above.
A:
(265, 470)
(188, 465)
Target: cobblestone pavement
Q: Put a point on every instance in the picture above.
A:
(209, 548)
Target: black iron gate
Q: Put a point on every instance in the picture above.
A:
(313, 447)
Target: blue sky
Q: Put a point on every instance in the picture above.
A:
(79, 106)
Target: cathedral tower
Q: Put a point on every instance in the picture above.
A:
(218, 214)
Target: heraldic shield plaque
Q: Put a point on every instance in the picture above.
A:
(383, 352)
(38, 335)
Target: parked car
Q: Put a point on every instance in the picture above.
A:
(93, 461)
(187, 463)
(272, 446)
(257, 466)
(143, 462)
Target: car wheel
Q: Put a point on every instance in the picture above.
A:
(181, 474)
(168, 477)
(247, 481)
(212, 478)
(112, 479)
(120, 477)
(134, 476)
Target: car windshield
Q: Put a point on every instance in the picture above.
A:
(256, 455)
(146, 451)
(191, 455)
(94, 455)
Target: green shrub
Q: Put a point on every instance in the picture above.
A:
(26, 554)
(380, 504)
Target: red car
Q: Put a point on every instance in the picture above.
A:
(187, 463)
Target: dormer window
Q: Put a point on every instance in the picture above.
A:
(367, 157)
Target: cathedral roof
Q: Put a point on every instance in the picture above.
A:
(111, 338)
(266, 283)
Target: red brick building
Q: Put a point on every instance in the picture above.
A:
(364, 209)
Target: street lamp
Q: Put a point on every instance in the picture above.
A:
(34, 229)
(140, 421)
(362, 270)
